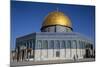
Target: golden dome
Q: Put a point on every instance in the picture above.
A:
(57, 18)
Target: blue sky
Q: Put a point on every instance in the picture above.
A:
(27, 17)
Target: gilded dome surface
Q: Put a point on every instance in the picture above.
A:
(56, 18)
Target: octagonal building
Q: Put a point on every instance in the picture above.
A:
(56, 41)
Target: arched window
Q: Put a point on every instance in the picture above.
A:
(74, 44)
(27, 44)
(30, 44)
(39, 44)
(80, 44)
(83, 45)
(24, 43)
(57, 44)
(63, 44)
(91, 46)
(45, 44)
(68, 44)
(51, 44)
(33, 43)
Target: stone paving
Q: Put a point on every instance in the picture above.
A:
(29, 63)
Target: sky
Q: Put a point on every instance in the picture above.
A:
(27, 17)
